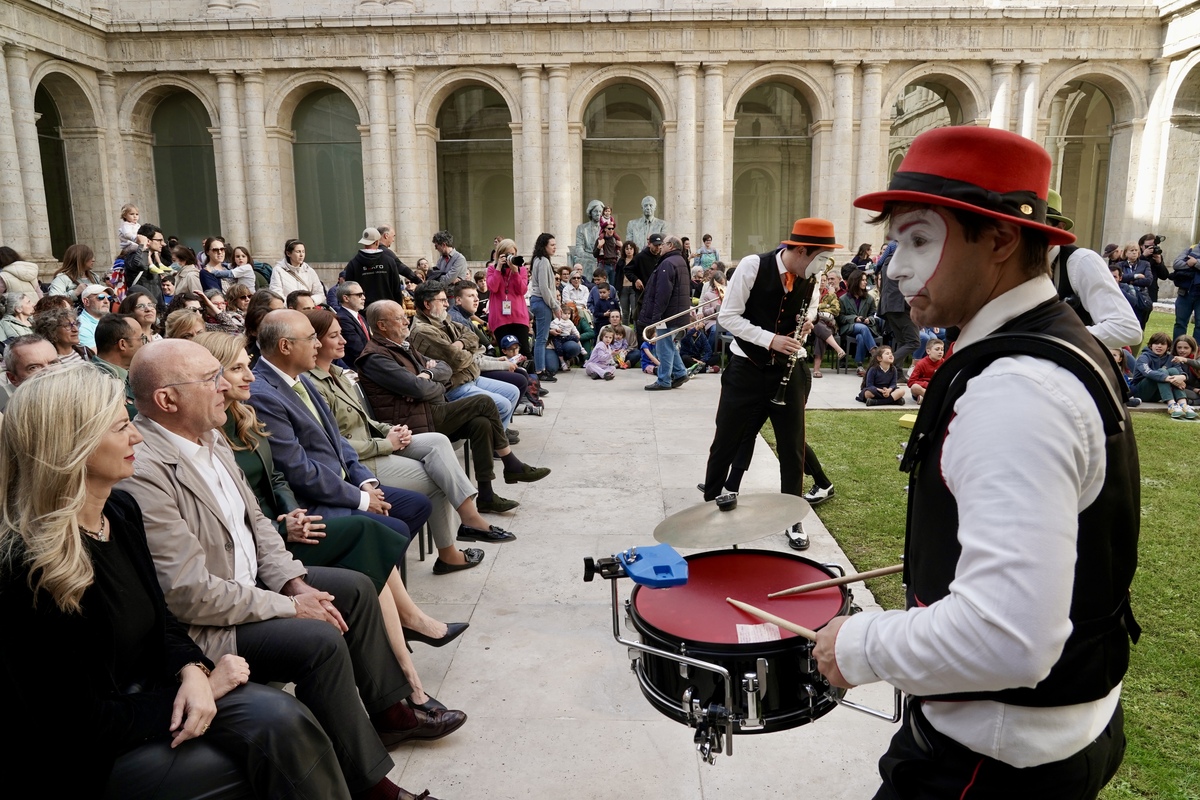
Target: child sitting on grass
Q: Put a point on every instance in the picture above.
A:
(924, 369)
(601, 365)
(879, 384)
(1156, 377)
(1186, 356)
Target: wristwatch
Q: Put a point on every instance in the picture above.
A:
(207, 672)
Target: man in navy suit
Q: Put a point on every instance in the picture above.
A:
(351, 301)
(320, 465)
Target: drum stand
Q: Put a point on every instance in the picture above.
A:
(715, 722)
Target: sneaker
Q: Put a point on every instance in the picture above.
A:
(816, 495)
(513, 437)
(714, 369)
(546, 377)
(1133, 402)
(1176, 411)
(694, 368)
(543, 391)
(1188, 412)
(860, 372)
(797, 538)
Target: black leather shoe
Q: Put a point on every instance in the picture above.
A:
(494, 534)
(675, 384)
(429, 726)
(546, 377)
(797, 538)
(512, 436)
(527, 474)
(657, 387)
(430, 705)
(473, 556)
(497, 505)
(453, 631)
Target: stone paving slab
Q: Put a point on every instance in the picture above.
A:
(554, 710)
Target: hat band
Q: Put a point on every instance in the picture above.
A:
(1023, 205)
(813, 239)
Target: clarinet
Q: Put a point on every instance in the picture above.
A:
(809, 314)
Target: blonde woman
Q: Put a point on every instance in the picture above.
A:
(186, 323)
(351, 542)
(89, 640)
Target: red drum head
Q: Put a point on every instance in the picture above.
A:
(697, 611)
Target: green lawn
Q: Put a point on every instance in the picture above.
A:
(1162, 689)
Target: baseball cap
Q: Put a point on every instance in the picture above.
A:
(370, 236)
(508, 341)
(94, 289)
(655, 238)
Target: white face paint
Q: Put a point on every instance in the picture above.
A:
(920, 240)
(816, 266)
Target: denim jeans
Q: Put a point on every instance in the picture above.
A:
(541, 315)
(570, 349)
(505, 395)
(865, 342)
(670, 365)
(1186, 307)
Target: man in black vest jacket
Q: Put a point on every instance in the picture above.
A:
(767, 298)
(667, 297)
(1016, 635)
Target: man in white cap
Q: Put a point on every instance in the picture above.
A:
(97, 301)
(375, 269)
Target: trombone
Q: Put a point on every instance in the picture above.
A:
(649, 329)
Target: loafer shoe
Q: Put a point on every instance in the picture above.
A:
(494, 534)
(527, 474)
(472, 555)
(657, 387)
(497, 505)
(429, 726)
(546, 377)
(797, 538)
(453, 631)
(675, 384)
(816, 496)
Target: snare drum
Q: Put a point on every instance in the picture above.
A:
(694, 620)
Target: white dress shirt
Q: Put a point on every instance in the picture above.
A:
(732, 309)
(1023, 456)
(225, 492)
(1114, 322)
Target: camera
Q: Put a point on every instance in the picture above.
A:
(517, 261)
(1156, 250)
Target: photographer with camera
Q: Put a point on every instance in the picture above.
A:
(1186, 276)
(1152, 251)
(1084, 282)
(507, 280)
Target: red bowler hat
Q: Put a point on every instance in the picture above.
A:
(986, 171)
(813, 231)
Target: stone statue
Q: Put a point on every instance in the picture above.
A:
(585, 239)
(639, 230)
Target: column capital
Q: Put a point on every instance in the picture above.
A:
(1158, 66)
(1004, 63)
(106, 79)
(558, 70)
(223, 76)
(842, 67)
(252, 75)
(404, 72)
(687, 68)
(1031, 67)
(374, 72)
(715, 67)
(14, 50)
(529, 70)
(873, 67)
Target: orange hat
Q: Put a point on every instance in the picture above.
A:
(812, 231)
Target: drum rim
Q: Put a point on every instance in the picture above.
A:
(699, 647)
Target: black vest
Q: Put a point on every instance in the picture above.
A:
(771, 309)
(1096, 654)
(1062, 283)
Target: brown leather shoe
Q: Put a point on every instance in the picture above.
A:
(430, 725)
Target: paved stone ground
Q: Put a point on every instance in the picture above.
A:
(554, 710)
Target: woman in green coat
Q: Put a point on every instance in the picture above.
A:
(858, 309)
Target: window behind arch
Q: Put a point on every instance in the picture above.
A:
(185, 170)
(327, 155)
(54, 172)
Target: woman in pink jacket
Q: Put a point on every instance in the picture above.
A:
(507, 279)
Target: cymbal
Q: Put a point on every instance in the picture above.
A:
(756, 516)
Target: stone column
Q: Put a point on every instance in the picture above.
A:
(412, 229)
(1002, 86)
(561, 211)
(1149, 171)
(12, 195)
(870, 156)
(20, 96)
(683, 208)
(118, 182)
(1054, 140)
(1030, 85)
(380, 210)
(532, 217)
(714, 207)
(839, 167)
(266, 223)
(231, 188)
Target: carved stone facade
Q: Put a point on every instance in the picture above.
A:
(1111, 90)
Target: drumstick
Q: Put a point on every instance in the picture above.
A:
(858, 576)
(780, 621)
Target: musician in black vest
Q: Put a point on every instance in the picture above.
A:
(766, 299)
(1016, 635)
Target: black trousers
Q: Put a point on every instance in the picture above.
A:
(935, 767)
(332, 672)
(746, 394)
(905, 332)
(263, 743)
(475, 419)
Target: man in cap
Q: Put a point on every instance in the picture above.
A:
(376, 269)
(1016, 635)
(97, 301)
(1083, 280)
(763, 309)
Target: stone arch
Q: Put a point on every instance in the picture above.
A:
(288, 95)
(971, 96)
(72, 92)
(817, 99)
(1178, 215)
(602, 78)
(1118, 86)
(144, 96)
(430, 101)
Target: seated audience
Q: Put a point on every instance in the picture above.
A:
(351, 302)
(118, 338)
(225, 572)
(300, 300)
(262, 303)
(18, 308)
(60, 327)
(923, 371)
(1157, 378)
(695, 351)
(77, 579)
(1186, 356)
(564, 340)
(492, 365)
(649, 360)
(879, 384)
(404, 387)
(185, 323)
(143, 307)
(25, 357)
(927, 335)
(97, 301)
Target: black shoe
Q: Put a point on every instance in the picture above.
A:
(546, 377)
(797, 538)
(675, 384)
(497, 505)
(527, 474)
(878, 401)
(512, 436)
(453, 631)
(473, 555)
(430, 706)
(493, 534)
(657, 387)
(542, 391)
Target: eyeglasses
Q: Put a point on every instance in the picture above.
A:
(216, 249)
(143, 338)
(72, 325)
(159, 239)
(215, 380)
(142, 306)
(311, 338)
(356, 294)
